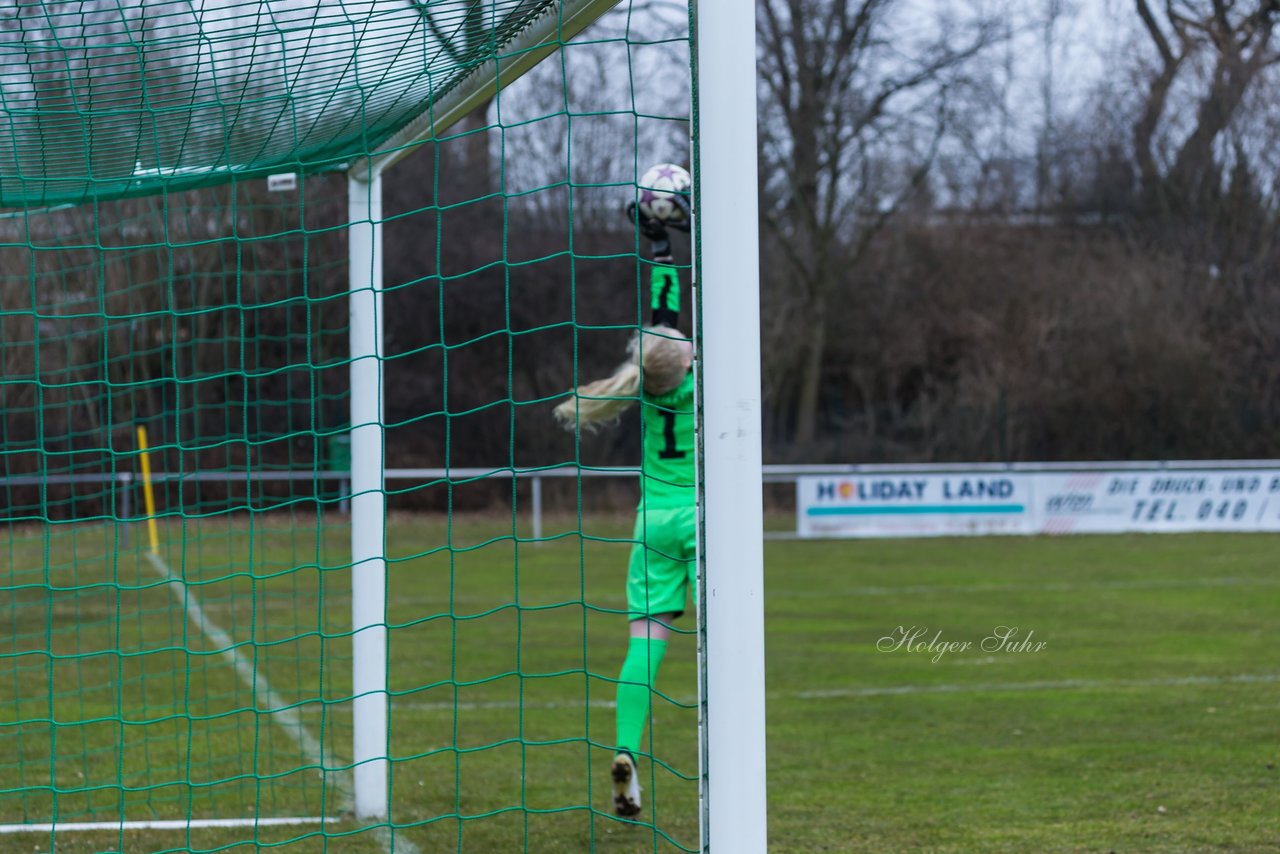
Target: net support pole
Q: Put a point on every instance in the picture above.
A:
(368, 498)
(732, 601)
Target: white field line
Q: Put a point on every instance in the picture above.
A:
(889, 691)
(1047, 685)
(1047, 587)
(275, 705)
(287, 718)
(164, 824)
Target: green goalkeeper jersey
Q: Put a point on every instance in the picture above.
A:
(667, 421)
(667, 479)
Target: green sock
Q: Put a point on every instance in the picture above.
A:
(635, 683)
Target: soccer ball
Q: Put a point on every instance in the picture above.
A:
(658, 188)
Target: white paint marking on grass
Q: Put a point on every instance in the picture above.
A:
(888, 691)
(502, 704)
(286, 717)
(445, 706)
(1046, 587)
(162, 824)
(1050, 685)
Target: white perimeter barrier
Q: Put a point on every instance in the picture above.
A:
(975, 499)
(1099, 498)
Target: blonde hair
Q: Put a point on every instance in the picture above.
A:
(656, 357)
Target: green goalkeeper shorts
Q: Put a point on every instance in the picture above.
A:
(663, 569)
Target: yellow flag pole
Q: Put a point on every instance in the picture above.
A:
(147, 491)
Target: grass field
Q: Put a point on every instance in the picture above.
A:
(1145, 722)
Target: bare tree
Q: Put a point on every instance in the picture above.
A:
(851, 125)
(1232, 42)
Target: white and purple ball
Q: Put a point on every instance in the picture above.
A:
(658, 189)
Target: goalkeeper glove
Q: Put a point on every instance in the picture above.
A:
(656, 231)
(681, 201)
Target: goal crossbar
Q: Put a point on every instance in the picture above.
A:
(544, 34)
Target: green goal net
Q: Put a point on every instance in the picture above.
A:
(142, 661)
(183, 197)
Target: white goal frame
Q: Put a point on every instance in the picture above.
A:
(731, 553)
(731, 624)
(730, 532)
(370, 727)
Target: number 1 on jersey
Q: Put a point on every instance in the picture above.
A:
(669, 450)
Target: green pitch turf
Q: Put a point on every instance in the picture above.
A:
(1146, 722)
(1143, 721)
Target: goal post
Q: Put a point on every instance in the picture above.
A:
(731, 564)
(370, 744)
(201, 335)
(727, 243)
(541, 35)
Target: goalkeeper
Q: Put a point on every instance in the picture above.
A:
(662, 568)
